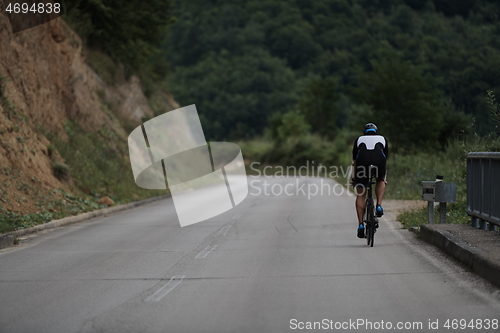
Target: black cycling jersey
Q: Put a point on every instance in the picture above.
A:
(370, 149)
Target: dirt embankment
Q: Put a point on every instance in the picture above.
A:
(45, 82)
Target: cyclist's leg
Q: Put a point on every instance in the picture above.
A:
(380, 191)
(360, 183)
(360, 209)
(360, 202)
(361, 180)
(380, 173)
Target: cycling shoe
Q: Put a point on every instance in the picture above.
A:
(361, 231)
(380, 211)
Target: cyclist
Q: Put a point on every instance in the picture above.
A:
(369, 149)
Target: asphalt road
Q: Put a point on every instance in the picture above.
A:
(272, 264)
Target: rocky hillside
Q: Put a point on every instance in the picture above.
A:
(56, 112)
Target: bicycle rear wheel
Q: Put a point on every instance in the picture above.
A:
(370, 225)
(372, 233)
(368, 233)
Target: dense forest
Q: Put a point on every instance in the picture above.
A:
(419, 68)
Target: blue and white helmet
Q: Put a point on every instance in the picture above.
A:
(370, 127)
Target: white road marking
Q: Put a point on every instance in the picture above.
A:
(205, 252)
(224, 230)
(237, 216)
(168, 287)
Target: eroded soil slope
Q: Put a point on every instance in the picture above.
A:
(45, 85)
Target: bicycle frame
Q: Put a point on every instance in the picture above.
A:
(370, 219)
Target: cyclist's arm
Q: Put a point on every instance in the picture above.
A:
(354, 155)
(353, 171)
(386, 152)
(386, 148)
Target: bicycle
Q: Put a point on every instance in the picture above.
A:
(370, 220)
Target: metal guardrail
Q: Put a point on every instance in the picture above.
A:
(483, 189)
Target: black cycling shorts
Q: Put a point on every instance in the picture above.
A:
(363, 163)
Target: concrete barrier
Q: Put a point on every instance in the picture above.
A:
(476, 259)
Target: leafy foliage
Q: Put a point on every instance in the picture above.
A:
(235, 94)
(292, 125)
(318, 105)
(98, 165)
(495, 110)
(453, 42)
(404, 102)
(129, 31)
(61, 171)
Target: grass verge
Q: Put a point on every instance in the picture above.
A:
(455, 214)
(98, 164)
(67, 205)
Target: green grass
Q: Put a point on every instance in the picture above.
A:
(54, 209)
(410, 170)
(97, 164)
(455, 214)
(405, 172)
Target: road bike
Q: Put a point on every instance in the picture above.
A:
(370, 220)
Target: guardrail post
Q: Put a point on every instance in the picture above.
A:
(430, 211)
(442, 212)
(482, 224)
(474, 222)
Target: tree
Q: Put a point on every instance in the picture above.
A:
(129, 31)
(235, 95)
(495, 110)
(455, 7)
(319, 106)
(406, 106)
(295, 44)
(330, 38)
(292, 124)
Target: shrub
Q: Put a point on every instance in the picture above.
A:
(60, 170)
(495, 110)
